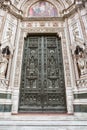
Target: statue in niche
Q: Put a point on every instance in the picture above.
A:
(81, 58)
(4, 59)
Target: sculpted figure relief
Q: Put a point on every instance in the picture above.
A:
(4, 55)
(32, 62)
(81, 60)
(52, 63)
(32, 65)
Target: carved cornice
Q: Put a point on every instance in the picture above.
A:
(6, 5)
(43, 19)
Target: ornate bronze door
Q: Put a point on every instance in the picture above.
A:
(42, 82)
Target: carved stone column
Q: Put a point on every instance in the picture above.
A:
(69, 90)
(15, 88)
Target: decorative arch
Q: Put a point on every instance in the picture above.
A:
(42, 9)
(26, 4)
(23, 4)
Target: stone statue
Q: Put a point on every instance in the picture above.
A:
(3, 66)
(81, 60)
(81, 63)
(4, 55)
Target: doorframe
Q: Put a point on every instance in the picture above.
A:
(68, 86)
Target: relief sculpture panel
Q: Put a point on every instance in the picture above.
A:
(42, 82)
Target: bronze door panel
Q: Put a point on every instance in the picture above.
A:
(42, 82)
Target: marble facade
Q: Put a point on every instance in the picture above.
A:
(71, 26)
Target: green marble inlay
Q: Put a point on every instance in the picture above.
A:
(80, 108)
(5, 96)
(80, 96)
(1, 108)
(5, 108)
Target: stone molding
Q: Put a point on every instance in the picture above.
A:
(60, 33)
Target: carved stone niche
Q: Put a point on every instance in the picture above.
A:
(4, 66)
(80, 55)
(4, 60)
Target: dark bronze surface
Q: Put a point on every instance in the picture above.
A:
(42, 86)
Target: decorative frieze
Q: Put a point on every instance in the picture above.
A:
(41, 24)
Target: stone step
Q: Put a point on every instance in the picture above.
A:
(43, 122)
